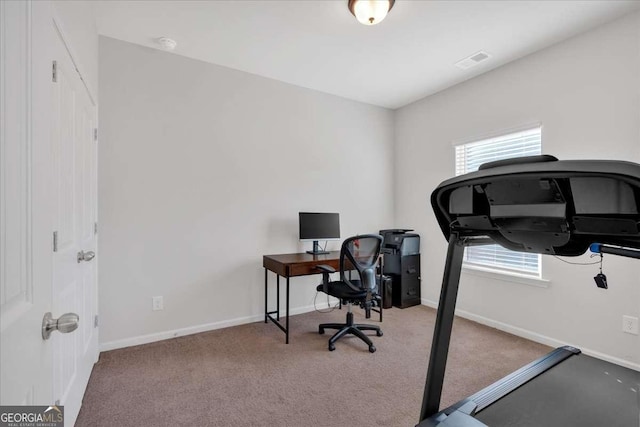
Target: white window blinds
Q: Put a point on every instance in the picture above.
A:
(468, 158)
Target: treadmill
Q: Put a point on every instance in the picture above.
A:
(538, 204)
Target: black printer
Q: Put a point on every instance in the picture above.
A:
(401, 251)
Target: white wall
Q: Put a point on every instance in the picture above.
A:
(203, 169)
(78, 24)
(586, 93)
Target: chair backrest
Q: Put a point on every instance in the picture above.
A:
(360, 253)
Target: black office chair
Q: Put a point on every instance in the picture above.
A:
(359, 253)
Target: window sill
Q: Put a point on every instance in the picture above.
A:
(506, 276)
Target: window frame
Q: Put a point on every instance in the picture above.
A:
(491, 269)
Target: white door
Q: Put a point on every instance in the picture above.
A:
(25, 208)
(74, 266)
(47, 183)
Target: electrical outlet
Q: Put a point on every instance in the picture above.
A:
(630, 325)
(158, 303)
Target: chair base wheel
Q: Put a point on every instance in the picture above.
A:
(350, 328)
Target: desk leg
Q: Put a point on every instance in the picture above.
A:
(266, 310)
(381, 290)
(268, 315)
(287, 322)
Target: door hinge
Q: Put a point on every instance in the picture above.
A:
(55, 241)
(95, 134)
(95, 228)
(54, 71)
(95, 321)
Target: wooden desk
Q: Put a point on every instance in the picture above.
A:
(293, 265)
(287, 266)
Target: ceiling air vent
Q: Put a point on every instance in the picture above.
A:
(472, 60)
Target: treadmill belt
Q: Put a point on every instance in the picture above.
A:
(581, 391)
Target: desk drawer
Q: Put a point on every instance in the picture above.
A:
(310, 268)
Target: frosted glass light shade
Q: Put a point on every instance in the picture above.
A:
(370, 12)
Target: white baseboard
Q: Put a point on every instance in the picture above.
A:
(542, 339)
(159, 336)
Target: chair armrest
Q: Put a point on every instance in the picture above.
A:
(326, 270)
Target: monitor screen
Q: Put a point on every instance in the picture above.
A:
(319, 226)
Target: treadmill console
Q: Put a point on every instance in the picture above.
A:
(551, 207)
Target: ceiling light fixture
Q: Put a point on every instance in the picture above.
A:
(370, 12)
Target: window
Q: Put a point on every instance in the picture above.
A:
(468, 158)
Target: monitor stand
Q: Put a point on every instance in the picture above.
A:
(316, 249)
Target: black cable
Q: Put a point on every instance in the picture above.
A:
(328, 303)
(600, 262)
(577, 263)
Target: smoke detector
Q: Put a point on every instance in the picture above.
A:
(473, 60)
(166, 43)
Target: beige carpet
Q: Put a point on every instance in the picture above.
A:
(247, 376)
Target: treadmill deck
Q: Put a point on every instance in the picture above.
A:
(581, 391)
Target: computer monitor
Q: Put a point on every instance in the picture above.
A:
(316, 226)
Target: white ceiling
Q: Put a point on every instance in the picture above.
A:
(320, 45)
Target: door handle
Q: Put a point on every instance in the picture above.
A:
(86, 256)
(66, 323)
